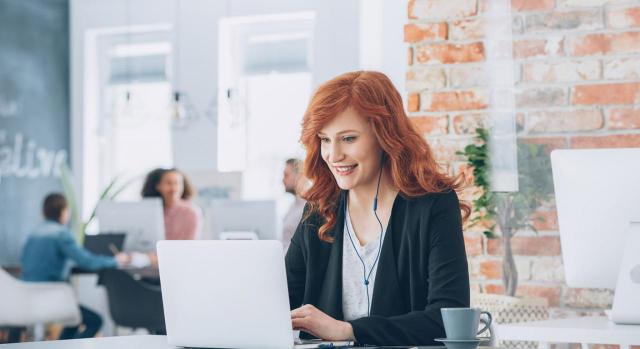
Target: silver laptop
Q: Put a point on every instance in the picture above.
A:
(225, 294)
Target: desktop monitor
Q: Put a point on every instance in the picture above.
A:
(240, 219)
(598, 200)
(597, 194)
(142, 221)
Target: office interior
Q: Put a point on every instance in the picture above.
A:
(96, 94)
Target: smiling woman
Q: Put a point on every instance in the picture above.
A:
(379, 250)
(182, 218)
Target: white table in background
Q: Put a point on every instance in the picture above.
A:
(584, 330)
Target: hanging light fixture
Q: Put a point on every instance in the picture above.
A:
(178, 110)
(127, 107)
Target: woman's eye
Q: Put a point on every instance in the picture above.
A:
(324, 140)
(349, 139)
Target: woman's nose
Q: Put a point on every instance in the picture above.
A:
(335, 153)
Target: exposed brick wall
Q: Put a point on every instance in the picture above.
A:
(578, 86)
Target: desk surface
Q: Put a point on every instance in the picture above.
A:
(597, 329)
(124, 342)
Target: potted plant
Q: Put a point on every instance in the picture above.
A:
(109, 193)
(503, 214)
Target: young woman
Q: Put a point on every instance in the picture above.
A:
(380, 248)
(182, 219)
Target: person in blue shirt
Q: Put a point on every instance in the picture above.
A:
(51, 250)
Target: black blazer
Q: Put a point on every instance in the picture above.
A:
(422, 268)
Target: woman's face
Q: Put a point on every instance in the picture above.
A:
(351, 150)
(171, 186)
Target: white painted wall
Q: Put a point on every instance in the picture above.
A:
(337, 38)
(336, 51)
(382, 45)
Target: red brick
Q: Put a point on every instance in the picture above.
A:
(450, 53)
(595, 44)
(410, 6)
(413, 104)
(454, 100)
(410, 56)
(548, 220)
(551, 293)
(473, 245)
(621, 119)
(623, 93)
(429, 31)
(491, 269)
(538, 48)
(617, 141)
(467, 29)
(550, 143)
(565, 121)
(493, 289)
(432, 125)
(441, 9)
(468, 123)
(624, 17)
(527, 246)
(532, 5)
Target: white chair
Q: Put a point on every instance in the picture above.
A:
(33, 304)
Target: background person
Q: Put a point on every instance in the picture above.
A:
(182, 218)
(291, 179)
(48, 252)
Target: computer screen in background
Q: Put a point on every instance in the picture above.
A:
(598, 197)
(240, 220)
(142, 222)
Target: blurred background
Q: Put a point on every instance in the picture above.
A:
(95, 94)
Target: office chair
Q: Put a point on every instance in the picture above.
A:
(133, 303)
(34, 304)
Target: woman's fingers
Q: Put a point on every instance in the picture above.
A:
(299, 323)
(303, 311)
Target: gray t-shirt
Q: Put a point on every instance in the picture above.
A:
(354, 291)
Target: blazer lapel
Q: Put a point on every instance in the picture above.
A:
(387, 296)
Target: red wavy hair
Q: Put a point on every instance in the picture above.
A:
(408, 157)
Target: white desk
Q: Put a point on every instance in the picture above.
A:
(124, 342)
(584, 330)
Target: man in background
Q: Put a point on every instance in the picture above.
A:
(290, 180)
(48, 254)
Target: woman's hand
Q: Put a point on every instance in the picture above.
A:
(312, 320)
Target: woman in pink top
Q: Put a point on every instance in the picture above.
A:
(182, 219)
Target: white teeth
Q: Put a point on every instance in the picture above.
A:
(345, 168)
